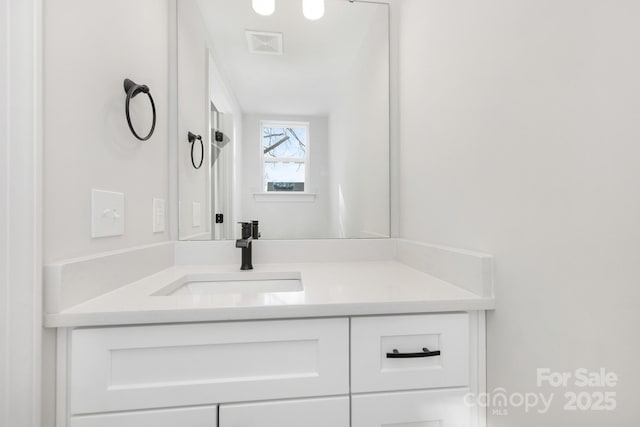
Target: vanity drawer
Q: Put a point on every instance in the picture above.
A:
(387, 352)
(206, 416)
(125, 368)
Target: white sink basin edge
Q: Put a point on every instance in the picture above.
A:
(246, 282)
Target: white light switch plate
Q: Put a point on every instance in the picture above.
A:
(107, 213)
(158, 215)
(196, 215)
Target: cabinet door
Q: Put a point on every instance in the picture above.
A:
(433, 408)
(326, 412)
(183, 417)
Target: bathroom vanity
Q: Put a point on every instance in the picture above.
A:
(353, 343)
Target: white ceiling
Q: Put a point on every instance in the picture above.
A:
(317, 54)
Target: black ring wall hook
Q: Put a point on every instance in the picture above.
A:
(192, 139)
(132, 90)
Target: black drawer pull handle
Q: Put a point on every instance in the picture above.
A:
(425, 353)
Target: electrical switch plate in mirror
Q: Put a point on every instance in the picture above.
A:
(158, 215)
(195, 220)
(107, 213)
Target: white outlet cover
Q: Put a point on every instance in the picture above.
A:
(107, 213)
(195, 220)
(158, 215)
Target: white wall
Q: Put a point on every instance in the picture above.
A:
(520, 130)
(229, 182)
(90, 48)
(286, 220)
(359, 140)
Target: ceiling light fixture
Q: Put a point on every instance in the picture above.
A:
(264, 7)
(313, 9)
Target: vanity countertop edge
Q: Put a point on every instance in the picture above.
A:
(349, 288)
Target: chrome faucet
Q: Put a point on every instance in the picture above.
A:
(250, 232)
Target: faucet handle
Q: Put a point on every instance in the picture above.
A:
(255, 233)
(246, 229)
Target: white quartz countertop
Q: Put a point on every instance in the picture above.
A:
(330, 289)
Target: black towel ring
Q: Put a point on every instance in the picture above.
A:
(132, 90)
(192, 139)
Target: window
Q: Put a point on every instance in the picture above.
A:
(285, 155)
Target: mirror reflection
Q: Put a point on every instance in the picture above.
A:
(292, 107)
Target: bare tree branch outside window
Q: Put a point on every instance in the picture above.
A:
(285, 156)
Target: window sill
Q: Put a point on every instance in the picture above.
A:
(284, 196)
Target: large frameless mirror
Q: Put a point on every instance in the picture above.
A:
(283, 119)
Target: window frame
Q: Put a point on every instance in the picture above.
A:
(306, 161)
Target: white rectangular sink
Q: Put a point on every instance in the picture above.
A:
(234, 283)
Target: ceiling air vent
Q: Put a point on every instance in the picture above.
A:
(264, 43)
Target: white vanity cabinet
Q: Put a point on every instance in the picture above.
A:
(400, 370)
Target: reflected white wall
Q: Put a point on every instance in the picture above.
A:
(200, 82)
(193, 101)
(358, 148)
